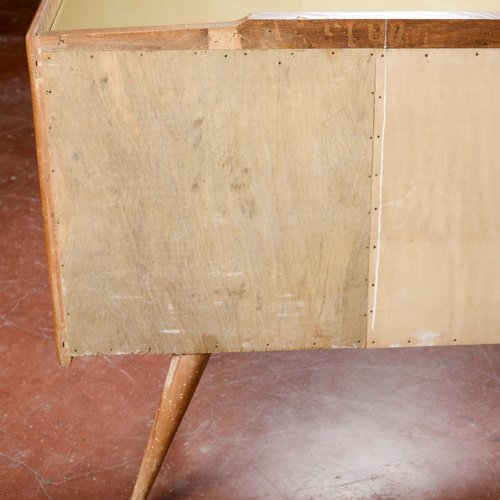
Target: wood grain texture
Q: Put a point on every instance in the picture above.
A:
(439, 278)
(42, 20)
(371, 33)
(182, 380)
(197, 217)
(307, 34)
(453, 33)
(166, 38)
(287, 34)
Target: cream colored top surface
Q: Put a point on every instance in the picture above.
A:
(80, 14)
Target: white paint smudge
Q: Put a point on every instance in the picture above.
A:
(171, 332)
(126, 297)
(219, 220)
(221, 274)
(427, 338)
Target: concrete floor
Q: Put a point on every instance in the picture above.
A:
(413, 423)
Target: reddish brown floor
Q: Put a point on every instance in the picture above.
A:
(389, 424)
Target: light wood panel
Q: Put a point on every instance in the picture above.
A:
(439, 260)
(210, 201)
(76, 14)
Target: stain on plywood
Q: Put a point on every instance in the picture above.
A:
(219, 201)
(440, 227)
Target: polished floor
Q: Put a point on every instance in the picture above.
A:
(412, 423)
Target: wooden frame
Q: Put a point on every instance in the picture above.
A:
(384, 36)
(388, 208)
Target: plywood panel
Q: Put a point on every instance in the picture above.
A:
(439, 260)
(211, 201)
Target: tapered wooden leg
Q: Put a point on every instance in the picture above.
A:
(183, 376)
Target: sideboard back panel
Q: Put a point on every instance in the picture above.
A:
(438, 251)
(211, 200)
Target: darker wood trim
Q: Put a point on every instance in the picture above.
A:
(33, 50)
(312, 34)
(440, 34)
(372, 33)
(126, 39)
(287, 34)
